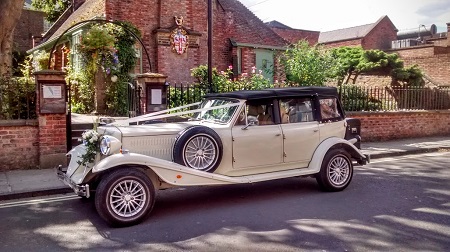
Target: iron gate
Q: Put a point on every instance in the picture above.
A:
(134, 99)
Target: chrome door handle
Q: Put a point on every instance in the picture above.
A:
(278, 134)
(316, 130)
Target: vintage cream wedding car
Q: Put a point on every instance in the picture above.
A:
(228, 138)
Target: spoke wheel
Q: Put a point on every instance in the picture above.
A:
(200, 152)
(336, 171)
(199, 148)
(125, 197)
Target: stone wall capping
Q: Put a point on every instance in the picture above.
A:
(29, 122)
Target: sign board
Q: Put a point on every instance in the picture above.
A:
(156, 96)
(53, 92)
(52, 98)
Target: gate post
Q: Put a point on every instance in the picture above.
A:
(154, 87)
(51, 109)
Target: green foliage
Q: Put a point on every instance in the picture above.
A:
(117, 92)
(308, 66)
(222, 82)
(40, 60)
(52, 8)
(109, 48)
(18, 59)
(82, 90)
(355, 98)
(17, 95)
(179, 96)
(412, 76)
(97, 49)
(355, 60)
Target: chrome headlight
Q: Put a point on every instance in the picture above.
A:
(109, 145)
(105, 145)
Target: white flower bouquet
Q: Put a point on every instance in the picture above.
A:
(90, 139)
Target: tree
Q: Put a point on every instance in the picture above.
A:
(353, 61)
(52, 8)
(308, 66)
(10, 11)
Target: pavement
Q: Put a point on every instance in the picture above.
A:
(39, 182)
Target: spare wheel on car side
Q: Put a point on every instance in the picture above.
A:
(198, 147)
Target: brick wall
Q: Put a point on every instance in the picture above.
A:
(144, 15)
(353, 42)
(28, 144)
(19, 143)
(294, 35)
(23, 141)
(381, 36)
(153, 16)
(384, 126)
(31, 23)
(432, 60)
(52, 134)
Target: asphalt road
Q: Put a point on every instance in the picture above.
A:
(397, 204)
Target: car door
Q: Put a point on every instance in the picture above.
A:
(259, 144)
(300, 130)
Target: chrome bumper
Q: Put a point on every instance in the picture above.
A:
(81, 190)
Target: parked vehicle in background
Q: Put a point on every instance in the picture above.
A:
(228, 138)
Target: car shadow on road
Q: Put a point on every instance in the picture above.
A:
(390, 205)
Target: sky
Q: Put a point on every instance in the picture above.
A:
(327, 15)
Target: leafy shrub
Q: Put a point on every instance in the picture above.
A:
(355, 98)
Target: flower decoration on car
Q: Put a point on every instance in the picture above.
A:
(90, 139)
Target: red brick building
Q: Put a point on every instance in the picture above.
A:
(291, 35)
(31, 23)
(378, 35)
(432, 56)
(240, 38)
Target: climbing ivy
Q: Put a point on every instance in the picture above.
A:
(108, 48)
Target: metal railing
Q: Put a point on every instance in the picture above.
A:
(353, 98)
(17, 99)
(356, 98)
(134, 99)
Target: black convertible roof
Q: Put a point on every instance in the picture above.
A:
(276, 93)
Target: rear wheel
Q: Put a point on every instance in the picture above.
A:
(336, 171)
(125, 197)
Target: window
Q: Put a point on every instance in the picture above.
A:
(260, 113)
(329, 109)
(296, 110)
(76, 57)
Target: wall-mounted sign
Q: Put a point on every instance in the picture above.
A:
(179, 39)
(52, 98)
(51, 91)
(156, 96)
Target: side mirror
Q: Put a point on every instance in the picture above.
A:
(252, 121)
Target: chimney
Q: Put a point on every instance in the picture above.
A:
(448, 34)
(36, 40)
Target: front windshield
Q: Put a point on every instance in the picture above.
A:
(222, 114)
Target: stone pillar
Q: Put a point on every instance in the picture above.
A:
(51, 108)
(100, 92)
(154, 88)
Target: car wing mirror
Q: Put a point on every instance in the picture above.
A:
(252, 121)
